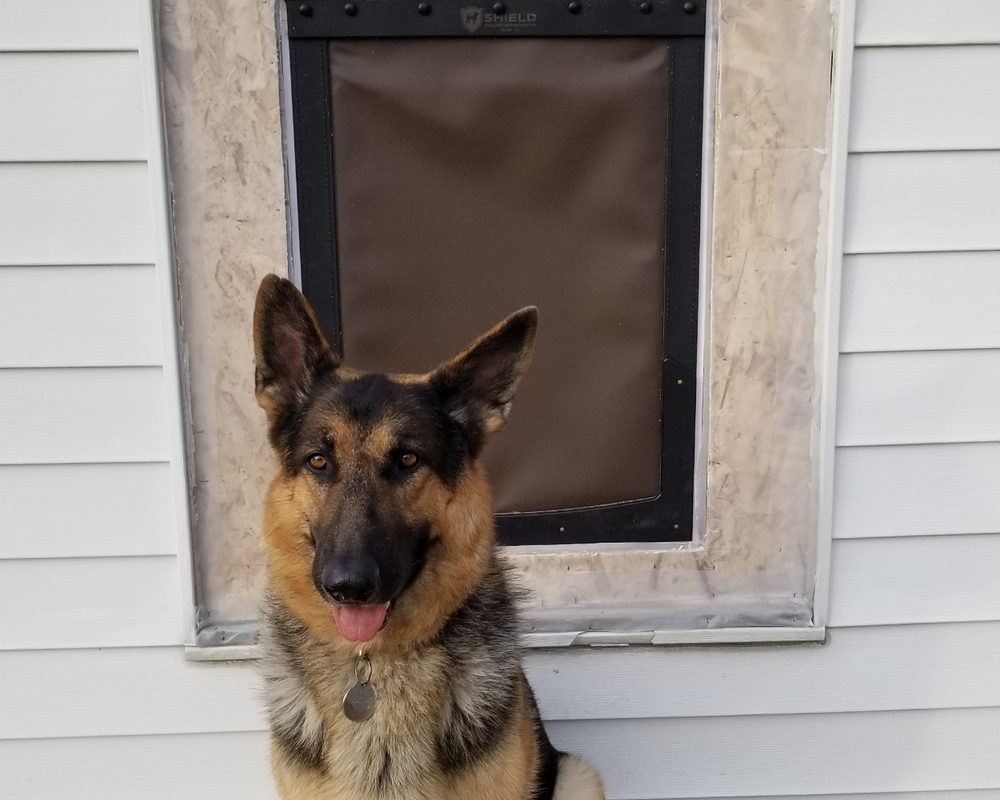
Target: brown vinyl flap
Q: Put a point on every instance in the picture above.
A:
(476, 177)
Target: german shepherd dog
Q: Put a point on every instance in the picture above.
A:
(392, 662)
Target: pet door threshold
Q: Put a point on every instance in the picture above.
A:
(244, 648)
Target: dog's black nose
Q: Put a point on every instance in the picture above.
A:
(349, 580)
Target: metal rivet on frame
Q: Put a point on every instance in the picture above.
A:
(690, 8)
(574, 7)
(424, 8)
(646, 8)
(350, 9)
(499, 8)
(306, 10)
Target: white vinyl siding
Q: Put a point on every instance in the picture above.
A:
(116, 509)
(89, 602)
(75, 213)
(937, 301)
(917, 490)
(220, 766)
(919, 397)
(926, 22)
(898, 581)
(97, 96)
(85, 316)
(150, 690)
(88, 529)
(926, 98)
(920, 202)
(917, 511)
(769, 756)
(68, 25)
(67, 416)
(902, 702)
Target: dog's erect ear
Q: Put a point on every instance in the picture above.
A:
(290, 347)
(477, 385)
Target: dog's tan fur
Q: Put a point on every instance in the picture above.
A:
(504, 775)
(459, 561)
(396, 755)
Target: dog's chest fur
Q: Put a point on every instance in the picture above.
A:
(384, 757)
(439, 708)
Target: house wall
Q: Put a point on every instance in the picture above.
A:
(902, 703)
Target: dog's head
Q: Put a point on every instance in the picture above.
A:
(379, 518)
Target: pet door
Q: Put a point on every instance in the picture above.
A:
(454, 163)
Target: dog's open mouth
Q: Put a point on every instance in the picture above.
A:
(358, 623)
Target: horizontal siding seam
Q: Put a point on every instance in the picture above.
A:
(69, 463)
(159, 553)
(82, 161)
(985, 620)
(947, 350)
(986, 43)
(123, 266)
(104, 262)
(923, 150)
(918, 443)
(134, 364)
(927, 252)
(220, 732)
(263, 728)
(243, 662)
(896, 538)
(907, 152)
(225, 729)
(55, 161)
(16, 464)
(896, 251)
(881, 350)
(106, 367)
(71, 51)
(84, 558)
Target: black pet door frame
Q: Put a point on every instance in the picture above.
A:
(313, 25)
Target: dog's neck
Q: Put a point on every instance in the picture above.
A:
(466, 676)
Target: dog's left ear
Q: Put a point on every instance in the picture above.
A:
(291, 350)
(478, 385)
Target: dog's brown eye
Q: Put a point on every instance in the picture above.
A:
(408, 460)
(317, 461)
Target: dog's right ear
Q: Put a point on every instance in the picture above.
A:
(478, 385)
(291, 350)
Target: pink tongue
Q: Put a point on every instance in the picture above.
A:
(359, 623)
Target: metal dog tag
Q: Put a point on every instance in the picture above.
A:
(359, 702)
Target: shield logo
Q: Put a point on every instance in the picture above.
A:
(472, 18)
